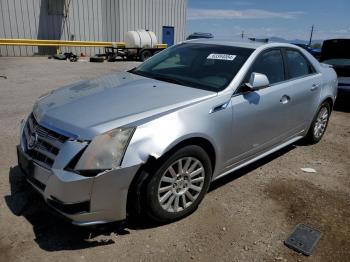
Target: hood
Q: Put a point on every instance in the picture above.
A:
(88, 108)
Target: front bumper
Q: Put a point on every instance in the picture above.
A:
(83, 200)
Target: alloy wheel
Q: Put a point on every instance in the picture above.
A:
(321, 122)
(181, 184)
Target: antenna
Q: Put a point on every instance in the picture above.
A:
(242, 34)
(311, 33)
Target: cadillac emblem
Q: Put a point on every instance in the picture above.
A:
(32, 141)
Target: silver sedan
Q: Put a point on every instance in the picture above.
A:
(151, 140)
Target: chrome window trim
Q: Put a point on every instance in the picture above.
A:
(282, 49)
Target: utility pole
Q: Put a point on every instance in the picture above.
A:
(312, 31)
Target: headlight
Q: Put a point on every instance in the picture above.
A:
(37, 111)
(106, 150)
(21, 129)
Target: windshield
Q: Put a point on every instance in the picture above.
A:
(204, 66)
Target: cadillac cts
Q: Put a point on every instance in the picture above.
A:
(151, 140)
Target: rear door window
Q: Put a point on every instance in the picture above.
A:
(297, 64)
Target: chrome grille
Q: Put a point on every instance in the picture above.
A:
(46, 144)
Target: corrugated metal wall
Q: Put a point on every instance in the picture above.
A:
(94, 20)
(151, 15)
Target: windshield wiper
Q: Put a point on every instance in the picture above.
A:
(161, 78)
(170, 80)
(138, 72)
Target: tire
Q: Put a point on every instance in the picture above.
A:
(319, 124)
(112, 57)
(145, 54)
(97, 59)
(60, 56)
(74, 58)
(185, 194)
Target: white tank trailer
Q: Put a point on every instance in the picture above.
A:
(140, 39)
(139, 44)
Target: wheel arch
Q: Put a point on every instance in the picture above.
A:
(134, 192)
(197, 141)
(328, 100)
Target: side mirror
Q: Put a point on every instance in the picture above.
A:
(257, 81)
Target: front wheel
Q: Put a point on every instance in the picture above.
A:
(319, 124)
(179, 184)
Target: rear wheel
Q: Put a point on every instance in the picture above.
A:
(179, 185)
(319, 124)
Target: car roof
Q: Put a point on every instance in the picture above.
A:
(243, 44)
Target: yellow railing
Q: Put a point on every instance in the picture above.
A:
(161, 46)
(59, 43)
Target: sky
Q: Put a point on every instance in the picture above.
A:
(289, 19)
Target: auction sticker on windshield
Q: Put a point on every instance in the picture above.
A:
(221, 57)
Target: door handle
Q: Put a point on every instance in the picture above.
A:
(219, 107)
(314, 87)
(284, 99)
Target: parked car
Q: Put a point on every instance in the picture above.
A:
(336, 52)
(316, 52)
(198, 35)
(151, 140)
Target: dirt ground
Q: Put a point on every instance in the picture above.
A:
(245, 216)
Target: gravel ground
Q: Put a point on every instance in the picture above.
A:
(245, 216)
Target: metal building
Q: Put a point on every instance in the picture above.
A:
(89, 20)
